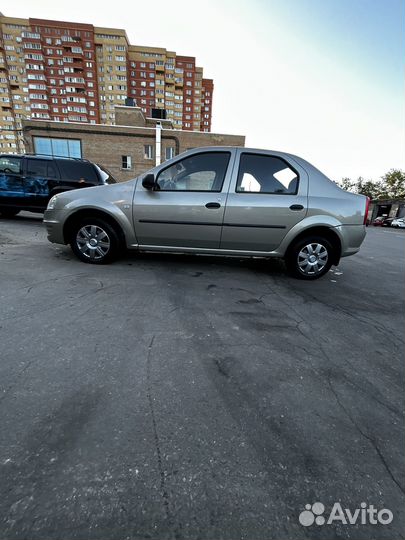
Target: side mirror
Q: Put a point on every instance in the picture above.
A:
(149, 181)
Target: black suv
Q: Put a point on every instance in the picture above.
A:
(27, 182)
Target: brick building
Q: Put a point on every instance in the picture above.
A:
(127, 149)
(394, 208)
(72, 72)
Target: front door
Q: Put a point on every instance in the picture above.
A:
(11, 184)
(187, 208)
(267, 197)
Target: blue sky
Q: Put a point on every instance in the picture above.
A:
(367, 35)
(319, 78)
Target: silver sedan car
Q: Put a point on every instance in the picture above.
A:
(218, 200)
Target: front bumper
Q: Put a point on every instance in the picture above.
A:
(54, 226)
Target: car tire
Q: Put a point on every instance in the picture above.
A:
(94, 241)
(9, 212)
(310, 258)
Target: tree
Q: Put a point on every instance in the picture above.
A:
(347, 184)
(393, 184)
(368, 187)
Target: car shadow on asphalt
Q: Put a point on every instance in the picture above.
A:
(206, 262)
(31, 217)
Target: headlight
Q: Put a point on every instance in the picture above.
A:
(52, 202)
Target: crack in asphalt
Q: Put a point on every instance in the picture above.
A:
(163, 489)
(328, 378)
(7, 390)
(367, 437)
(42, 282)
(60, 305)
(365, 320)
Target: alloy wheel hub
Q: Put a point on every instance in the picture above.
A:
(93, 242)
(312, 258)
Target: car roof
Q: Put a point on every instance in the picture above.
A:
(45, 156)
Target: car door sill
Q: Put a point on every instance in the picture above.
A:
(207, 251)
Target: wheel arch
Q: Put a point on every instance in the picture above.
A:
(89, 213)
(324, 231)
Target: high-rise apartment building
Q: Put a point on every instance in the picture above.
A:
(73, 72)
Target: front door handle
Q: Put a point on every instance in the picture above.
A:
(212, 205)
(296, 207)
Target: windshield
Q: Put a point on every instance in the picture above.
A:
(106, 176)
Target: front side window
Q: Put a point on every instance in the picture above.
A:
(266, 174)
(201, 172)
(10, 165)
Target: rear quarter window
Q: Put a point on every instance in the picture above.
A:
(77, 170)
(105, 175)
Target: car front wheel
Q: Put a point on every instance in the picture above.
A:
(94, 241)
(310, 258)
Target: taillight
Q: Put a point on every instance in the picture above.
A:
(366, 212)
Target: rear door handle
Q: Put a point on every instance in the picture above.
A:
(212, 205)
(296, 207)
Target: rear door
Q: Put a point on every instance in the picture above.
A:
(39, 178)
(11, 184)
(268, 195)
(187, 210)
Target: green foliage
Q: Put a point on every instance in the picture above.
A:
(347, 184)
(391, 186)
(394, 184)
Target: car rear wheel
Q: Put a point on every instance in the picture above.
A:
(310, 258)
(94, 241)
(9, 212)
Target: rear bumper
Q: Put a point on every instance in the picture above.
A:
(54, 226)
(352, 237)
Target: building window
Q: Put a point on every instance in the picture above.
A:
(126, 162)
(148, 151)
(50, 146)
(169, 152)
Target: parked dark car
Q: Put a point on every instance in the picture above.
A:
(383, 221)
(378, 221)
(27, 182)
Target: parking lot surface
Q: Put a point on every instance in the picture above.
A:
(197, 397)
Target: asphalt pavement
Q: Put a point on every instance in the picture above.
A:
(186, 397)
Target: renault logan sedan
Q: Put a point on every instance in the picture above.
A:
(217, 200)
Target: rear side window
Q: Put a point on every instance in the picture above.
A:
(10, 165)
(41, 167)
(259, 173)
(77, 170)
